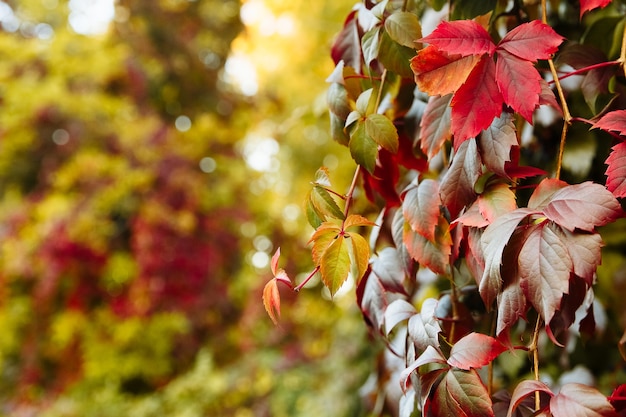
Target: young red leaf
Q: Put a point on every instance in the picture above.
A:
(616, 171)
(531, 41)
(614, 121)
(435, 125)
(347, 46)
(476, 103)
(421, 207)
(438, 73)
(519, 83)
(474, 350)
(587, 5)
(524, 389)
(495, 143)
(579, 400)
(584, 206)
(494, 240)
(457, 185)
(335, 264)
(434, 254)
(544, 267)
(463, 37)
(271, 300)
(463, 394)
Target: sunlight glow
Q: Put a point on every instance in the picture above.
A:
(260, 154)
(91, 17)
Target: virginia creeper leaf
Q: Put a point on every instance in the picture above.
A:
(616, 171)
(544, 192)
(512, 305)
(435, 125)
(463, 37)
(579, 400)
(430, 355)
(524, 389)
(322, 177)
(519, 83)
(382, 130)
(404, 28)
(495, 143)
(497, 200)
(421, 207)
(434, 254)
(359, 252)
(462, 393)
(474, 350)
(371, 45)
(457, 185)
(585, 251)
(271, 300)
(423, 328)
(395, 57)
(322, 239)
(476, 103)
(494, 240)
(583, 206)
(531, 41)
(347, 45)
(439, 73)
(279, 273)
(335, 264)
(397, 312)
(587, 5)
(366, 103)
(545, 267)
(362, 147)
(354, 220)
(614, 121)
(337, 99)
(324, 203)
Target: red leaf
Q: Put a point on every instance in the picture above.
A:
(463, 394)
(435, 125)
(463, 37)
(583, 206)
(421, 208)
(614, 121)
(618, 398)
(476, 103)
(531, 41)
(457, 185)
(545, 267)
(474, 350)
(347, 46)
(585, 251)
(544, 192)
(519, 83)
(586, 5)
(496, 201)
(525, 389)
(616, 171)
(495, 143)
(578, 400)
(512, 305)
(434, 254)
(438, 73)
(271, 300)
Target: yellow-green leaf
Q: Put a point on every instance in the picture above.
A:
(324, 204)
(356, 220)
(359, 255)
(382, 131)
(335, 264)
(322, 239)
(363, 148)
(404, 28)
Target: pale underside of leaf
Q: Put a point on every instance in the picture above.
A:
(435, 125)
(495, 143)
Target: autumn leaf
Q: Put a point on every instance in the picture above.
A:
(347, 46)
(524, 389)
(497, 200)
(335, 264)
(430, 355)
(359, 253)
(461, 393)
(433, 254)
(355, 220)
(587, 5)
(474, 350)
(495, 144)
(420, 207)
(531, 41)
(519, 83)
(616, 171)
(544, 192)
(435, 125)
(457, 185)
(578, 400)
(271, 295)
(462, 37)
(439, 73)
(397, 312)
(614, 121)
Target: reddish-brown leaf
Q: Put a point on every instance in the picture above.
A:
(614, 121)
(495, 143)
(578, 400)
(463, 37)
(584, 206)
(476, 103)
(587, 5)
(435, 125)
(544, 192)
(271, 300)
(421, 207)
(519, 83)
(347, 46)
(531, 41)
(616, 171)
(585, 251)
(434, 254)
(463, 394)
(474, 350)
(457, 185)
(430, 355)
(545, 266)
(438, 73)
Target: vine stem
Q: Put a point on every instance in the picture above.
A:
(346, 209)
(534, 349)
(567, 117)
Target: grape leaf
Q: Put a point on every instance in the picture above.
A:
(587, 5)
(463, 394)
(495, 143)
(438, 73)
(531, 41)
(435, 125)
(614, 121)
(544, 267)
(404, 28)
(474, 350)
(382, 131)
(579, 400)
(457, 185)
(335, 264)
(463, 37)
(421, 207)
(616, 171)
(524, 389)
(519, 83)
(583, 206)
(476, 103)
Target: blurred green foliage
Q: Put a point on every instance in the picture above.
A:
(133, 231)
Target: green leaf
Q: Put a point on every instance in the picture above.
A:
(469, 9)
(311, 214)
(337, 131)
(335, 264)
(362, 147)
(322, 239)
(371, 45)
(324, 204)
(382, 130)
(366, 102)
(404, 28)
(395, 57)
(338, 102)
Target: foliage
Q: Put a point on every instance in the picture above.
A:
(495, 182)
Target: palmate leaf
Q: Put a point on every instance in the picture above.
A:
(476, 103)
(474, 350)
(579, 400)
(495, 143)
(461, 393)
(463, 37)
(439, 73)
(435, 125)
(420, 207)
(433, 254)
(519, 83)
(616, 171)
(531, 41)
(614, 121)
(335, 264)
(587, 5)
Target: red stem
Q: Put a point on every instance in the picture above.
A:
(307, 279)
(589, 68)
